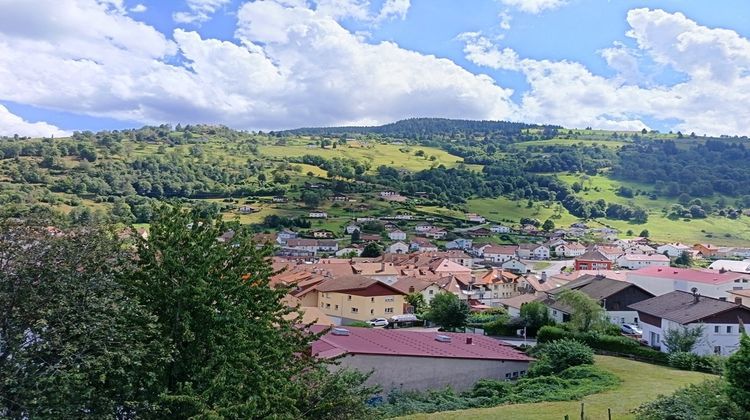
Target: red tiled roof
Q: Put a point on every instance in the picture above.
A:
(414, 344)
(687, 274)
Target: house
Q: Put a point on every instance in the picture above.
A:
(634, 248)
(285, 235)
(459, 243)
(339, 198)
(477, 249)
(740, 297)
(612, 253)
(731, 265)
(349, 298)
(532, 251)
(310, 245)
(365, 219)
(539, 284)
(327, 246)
(513, 304)
(614, 295)
(370, 237)
(475, 218)
(381, 271)
(398, 248)
(571, 249)
(741, 252)
(593, 260)
(262, 239)
(323, 234)
(500, 253)
(500, 284)
(516, 266)
(499, 229)
(351, 228)
(435, 233)
(279, 199)
(397, 235)
(419, 361)
(706, 250)
(388, 193)
(672, 250)
(247, 210)
(662, 280)
(636, 261)
(555, 242)
(479, 232)
(317, 215)
(422, 245)
(720, 320)
(349, 250)
(423, 227)
(427, 288)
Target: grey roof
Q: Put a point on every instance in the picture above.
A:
(593, 255)
(596, 287)
(681, 307)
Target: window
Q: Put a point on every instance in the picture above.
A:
(355, 310)
(337, 307)
(507, 376)
(723, 299)
(717, 349)
(431, 292)
(729, 329)
(349, 297)
(328, 305)
(716, 329)
(389, 299)
(372, 299)
(372, 311)
(738, 300)
(635, 320)
(389, 310)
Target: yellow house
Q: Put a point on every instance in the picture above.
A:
(358, 298)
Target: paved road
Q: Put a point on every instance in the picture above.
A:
(555, 267)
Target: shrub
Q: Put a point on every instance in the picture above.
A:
(565, 353)
(690, 361)
(707, 401)
(683, 360)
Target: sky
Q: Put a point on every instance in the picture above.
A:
(69, 65)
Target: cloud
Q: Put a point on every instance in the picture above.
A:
(293, 66)
(534, 6)
(712, 99)
(138, 8)
(11, 124)
(393, 9)
(199, 10)
(505, 19)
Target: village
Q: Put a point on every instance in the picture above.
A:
(337, 284)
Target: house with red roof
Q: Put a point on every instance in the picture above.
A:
(419, 361)
(662, 280)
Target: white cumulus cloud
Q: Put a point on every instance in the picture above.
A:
(11, 124)
(199, 10)
(534, 6)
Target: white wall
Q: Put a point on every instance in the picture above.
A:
(728, 342)
(634, 265)
(659, 286)
(623, 317)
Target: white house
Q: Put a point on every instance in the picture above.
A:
(499, 253)
(317, 215)
(475, 218)
(677, 310)
(435, 233)
(541, 252)
(731, 265)
(349, 250)
(397, 235)
(515, 265)
(571, 249)
(286, 235)
(422, 245)
(535, 251)
(423, 227)
(351, 228)
(459, 243)
(499, 229)
(673, 250)
(636, 261)
(662, 280)
(398, 248)
(478, 249)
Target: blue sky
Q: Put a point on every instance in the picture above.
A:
(269, 64)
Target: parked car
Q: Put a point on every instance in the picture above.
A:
(631, 329)
(404, 318)
(378, 322)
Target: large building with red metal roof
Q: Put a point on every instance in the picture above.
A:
(410, 360)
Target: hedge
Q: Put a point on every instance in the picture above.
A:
(605, 343)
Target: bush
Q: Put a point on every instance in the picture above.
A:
(559, 355)
(707, 401)
(690, 361)
(607, 343)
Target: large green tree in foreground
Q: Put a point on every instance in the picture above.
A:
(448, 311)
(73, 343)
(236, 350)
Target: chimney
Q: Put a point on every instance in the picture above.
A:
(469, 340)
(382, 266)
(696, 296)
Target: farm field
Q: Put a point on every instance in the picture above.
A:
(641, 382)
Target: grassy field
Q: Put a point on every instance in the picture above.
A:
(571, 142)
(641, 382)
(399, 156)
(503, 208)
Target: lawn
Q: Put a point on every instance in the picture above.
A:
(502, 208)
(571, 142)
(641, 382)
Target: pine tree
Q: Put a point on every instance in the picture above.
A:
(738, 373)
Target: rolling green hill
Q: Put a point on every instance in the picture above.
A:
(677, 187)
